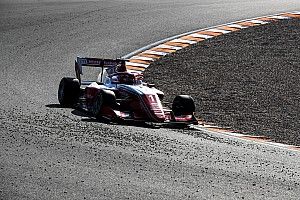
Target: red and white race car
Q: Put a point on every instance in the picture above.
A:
(119, 95)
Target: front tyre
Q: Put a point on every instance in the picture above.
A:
(97, 105)
(182, 105)
(68, 91)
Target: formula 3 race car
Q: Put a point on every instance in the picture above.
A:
(119, 96)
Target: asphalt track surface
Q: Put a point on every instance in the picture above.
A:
(47, 152)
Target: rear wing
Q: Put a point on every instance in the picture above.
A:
(109, 65)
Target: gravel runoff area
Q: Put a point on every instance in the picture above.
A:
(247, 80)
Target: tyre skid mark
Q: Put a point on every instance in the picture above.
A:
(141, 59)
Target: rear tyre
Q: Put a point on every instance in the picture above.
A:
(183, 104)
(68, 92)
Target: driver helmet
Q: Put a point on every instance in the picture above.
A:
(115, 78)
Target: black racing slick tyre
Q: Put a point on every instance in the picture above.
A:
(109, 98)
(68, 91)
(97, 105)
(104, 97)
(183, 104)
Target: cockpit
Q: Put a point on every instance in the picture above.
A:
(125, 78)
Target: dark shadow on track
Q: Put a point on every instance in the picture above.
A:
(81, 113)
(87, 117)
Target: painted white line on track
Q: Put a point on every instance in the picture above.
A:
(184, 41)
(142, 58)
(137, 64)
(271, 17)
(237, 26)
(197, 35)
(244, 138)
(258, 22)
(279, 17)
(218, 31)
(277, 144)
(156, 53)
(164, 46)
